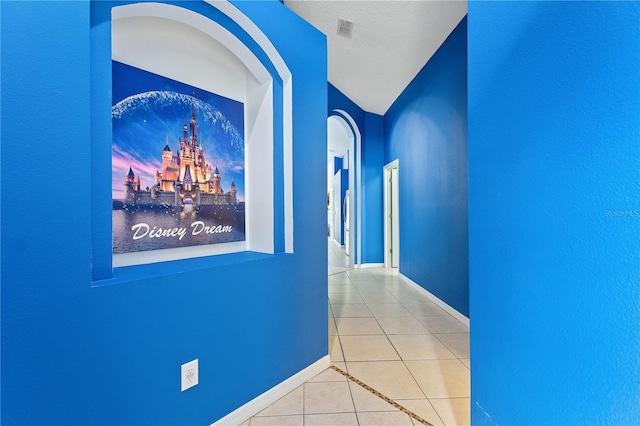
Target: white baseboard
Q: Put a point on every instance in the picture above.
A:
(457, 315)
(261, 402)
(370, 265)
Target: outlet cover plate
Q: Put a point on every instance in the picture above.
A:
(188, 375)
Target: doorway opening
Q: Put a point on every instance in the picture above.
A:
(342, 183)
(391, 216)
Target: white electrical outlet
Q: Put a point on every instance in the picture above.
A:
(189, 375)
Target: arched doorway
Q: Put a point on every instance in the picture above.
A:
(343, 184)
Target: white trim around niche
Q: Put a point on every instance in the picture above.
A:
(258, 128)
(287, 107)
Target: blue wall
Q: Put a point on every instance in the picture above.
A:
(76, 353)
(372, 155)
(554, 212)
(372, 189)
(426, 130)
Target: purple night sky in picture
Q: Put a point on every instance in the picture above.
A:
(148, 109)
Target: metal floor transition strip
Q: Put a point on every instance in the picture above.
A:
(381, 396)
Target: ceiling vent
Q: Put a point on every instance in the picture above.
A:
(345, 28)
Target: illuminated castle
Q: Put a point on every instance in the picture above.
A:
(186, 178)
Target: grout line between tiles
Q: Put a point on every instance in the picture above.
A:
(355, 411)
(381, 396)
(340, 342)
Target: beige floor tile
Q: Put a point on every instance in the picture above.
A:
(380, 297)
(458, 343)
(277, 421)
(356, 273)
(368, 348)
(442, 378)
(327, 397)
(389, 309)
(420, 346)
(381, 270)
(336, 419)
(358, 326)
(387, 277)
(328, 375)
(335, 349)
(403, 294)
(368, 285)
(332, 326)
(385, 418)
(466, 361)
(442, 324)
(361, 279)
(341, 365)
(401, 325)
(422, 408)
(245, 423)
(345, 298)
(391, 378)
(290, 404)
(383, 273)
(338, 288)
(337, 269)
(339, 279)
(336, 266)
(391, 283)
(454, 412)
(364, 400)
(350, 310)
(424, 308)
(399, 286)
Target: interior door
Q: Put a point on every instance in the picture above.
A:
(337, 209)
(346, 223)
(395, 216)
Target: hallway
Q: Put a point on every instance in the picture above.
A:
(338, 260)
(390, 337)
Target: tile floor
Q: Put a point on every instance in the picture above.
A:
(390, 337)
(338, 260)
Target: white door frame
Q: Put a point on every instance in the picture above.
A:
(388, 225)
(330, 220)
(355, 187)
(337, 209)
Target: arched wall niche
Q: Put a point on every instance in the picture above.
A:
(187, 46)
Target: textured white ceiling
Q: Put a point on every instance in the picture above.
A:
(390, 43)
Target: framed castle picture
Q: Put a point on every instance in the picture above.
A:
(177, 164)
